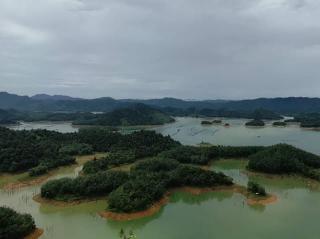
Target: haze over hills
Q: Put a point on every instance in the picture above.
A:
(43, 102)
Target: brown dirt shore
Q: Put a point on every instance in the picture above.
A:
(135, 215)
(262, 200)
(35, 234)
(80, 160)
(27, 183)
(251, 200)
(58, 203)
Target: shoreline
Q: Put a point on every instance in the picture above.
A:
(57, 203)
(250, 199)
(33, 181)
(35, 234)
(156, 207)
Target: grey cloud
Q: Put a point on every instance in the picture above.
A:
(149, 48)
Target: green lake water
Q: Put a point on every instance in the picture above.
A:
(213, 215)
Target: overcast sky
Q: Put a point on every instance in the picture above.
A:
(192, 49)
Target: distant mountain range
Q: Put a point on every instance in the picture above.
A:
(60, 103)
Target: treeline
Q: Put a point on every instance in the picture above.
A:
(23, 150)
(92, 185)
(285, 159)
(41, 150)
(203, 155)
(131, 147)
(14, 225)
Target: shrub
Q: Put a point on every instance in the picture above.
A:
(256, 189)
(15, 225)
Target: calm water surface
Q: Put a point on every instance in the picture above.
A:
(208, 216)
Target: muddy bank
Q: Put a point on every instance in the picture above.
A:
(58, 203)
(250, 199)
(28, 181)
(136, 215)
(262, 200)
(35, 234)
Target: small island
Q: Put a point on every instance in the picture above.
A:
(206, 122)
(279, 123)
(17, 225)
(255, 122)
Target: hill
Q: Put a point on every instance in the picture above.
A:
(138, 114)
(42, 102)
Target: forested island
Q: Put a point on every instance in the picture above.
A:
(14, 225)
(255, 122)
(137, 114)
(279, 123)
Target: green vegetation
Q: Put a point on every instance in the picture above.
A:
(310, 120)
(93, 185)
(256, 189)
(255, 122)
(279, 123)
(188, 154)
(76, 149)
(150, 180)
(285, 159)
(146, 183)
(41, 150)
(23, 150)
(14, 225)
(139, 114)
(203, 155)
(206, 122)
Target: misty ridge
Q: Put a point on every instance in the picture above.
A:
(61, 103)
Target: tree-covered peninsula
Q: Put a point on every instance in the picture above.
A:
(285, 159)
(158, 164)
(14, 225)
(38, 151)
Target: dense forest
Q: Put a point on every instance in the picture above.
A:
(14, 225)
(41, 150)
(285, 159)
(37, 149)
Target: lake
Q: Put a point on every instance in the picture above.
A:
(189, 130)
(208, 216)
